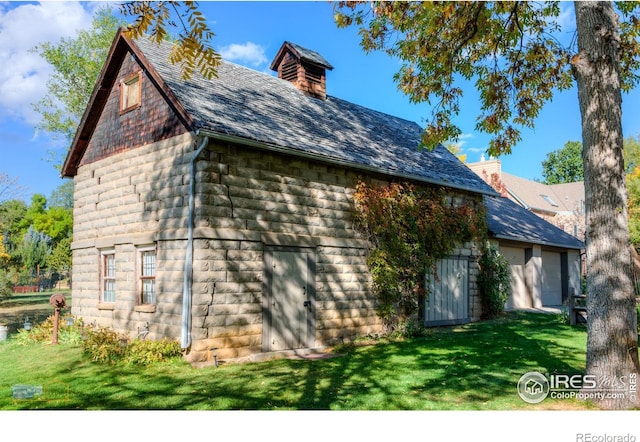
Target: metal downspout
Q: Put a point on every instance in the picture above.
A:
(185, 337)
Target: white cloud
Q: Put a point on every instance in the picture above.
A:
(23, 74)
(567, 17)
(247, 53)
(462, 139)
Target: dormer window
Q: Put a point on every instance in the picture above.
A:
(130, 93)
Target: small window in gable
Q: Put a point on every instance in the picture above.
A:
(131, 93)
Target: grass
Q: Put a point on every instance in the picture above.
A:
(470, 367)
(34, 306)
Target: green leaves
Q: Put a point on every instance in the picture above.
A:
(494, 281)
(506, 47)
(410, 228)
(564, 165)
(191, 48)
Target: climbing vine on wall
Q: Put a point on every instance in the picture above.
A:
(409, 229)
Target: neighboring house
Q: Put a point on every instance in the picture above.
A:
(563, 205)
(220, 212)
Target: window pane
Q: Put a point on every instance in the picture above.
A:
(110, 266)
(149, 264)
(130, 93)
(149, 291)
(109, 293)
(147, 277)
(108, 278)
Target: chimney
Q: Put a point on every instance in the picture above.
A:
(305, 68)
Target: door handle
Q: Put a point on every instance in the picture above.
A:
(307, 303)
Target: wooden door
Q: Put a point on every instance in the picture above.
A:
(448, 299)
(289, 313)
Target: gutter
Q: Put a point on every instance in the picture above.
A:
(187, 283)
(335, 161)
(520, 201)
(540, 243)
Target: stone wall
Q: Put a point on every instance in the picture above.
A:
(246, 200)
(122, 202)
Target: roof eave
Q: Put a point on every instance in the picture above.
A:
(337, 161)
(542, 243)
(98, 98)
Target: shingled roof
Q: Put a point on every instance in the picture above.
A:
(303, 54)
(256, 106)
(243, 105)
(510, 221)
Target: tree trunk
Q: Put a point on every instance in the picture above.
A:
(612, 339)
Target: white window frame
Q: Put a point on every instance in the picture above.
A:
(143, 267)
(108, 276)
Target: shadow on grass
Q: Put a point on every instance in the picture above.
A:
(476, 366)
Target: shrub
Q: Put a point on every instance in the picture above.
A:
(43, 332)
(494, 281)
(411, 327)
(104, 345)
(409, 229)
(148, 352)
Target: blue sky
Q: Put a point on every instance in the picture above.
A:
(250, 33)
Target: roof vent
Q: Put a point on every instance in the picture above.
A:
(305, 68)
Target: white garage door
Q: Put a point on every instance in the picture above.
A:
(518, 295)
(551, 279)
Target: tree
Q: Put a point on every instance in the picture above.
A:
(564, 165)
(12, 213)
(62, 196)
(77, 62)
(60, 258)
(4, 256)
(35, 250)
(9, 187)
(509, 50)
(456, 149)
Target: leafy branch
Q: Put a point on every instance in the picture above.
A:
(192, 50)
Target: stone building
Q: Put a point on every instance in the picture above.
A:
(219, 212)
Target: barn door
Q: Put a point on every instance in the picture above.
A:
(448, 299)
(290, 292)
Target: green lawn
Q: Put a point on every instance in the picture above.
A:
(34, 306)
(471, 367)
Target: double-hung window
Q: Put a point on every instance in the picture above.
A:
(147, 276)
(108, 276)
